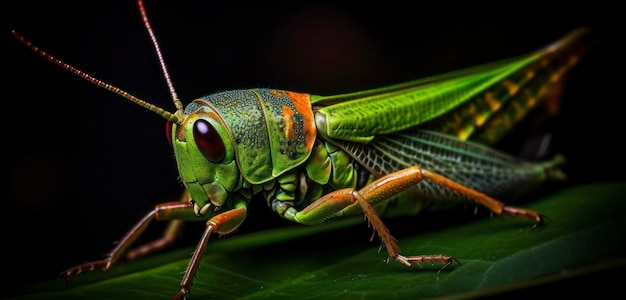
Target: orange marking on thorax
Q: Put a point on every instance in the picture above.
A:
(302, 104)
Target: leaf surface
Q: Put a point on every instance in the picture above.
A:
(583, 236)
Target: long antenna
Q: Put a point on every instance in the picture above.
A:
(171, 117)
(144, 16)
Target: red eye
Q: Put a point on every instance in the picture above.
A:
(208, 140)
(168, 132)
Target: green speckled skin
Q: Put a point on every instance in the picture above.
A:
(255, 120)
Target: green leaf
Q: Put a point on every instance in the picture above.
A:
(584, 235)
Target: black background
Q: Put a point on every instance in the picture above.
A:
(84, 164)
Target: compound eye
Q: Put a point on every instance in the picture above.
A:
(208, 140)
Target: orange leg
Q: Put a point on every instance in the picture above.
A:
(223, 223)
(165, 211)
(176, 212)
(169, 236)
(386, 188)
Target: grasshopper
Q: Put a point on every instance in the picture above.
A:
(384, 152)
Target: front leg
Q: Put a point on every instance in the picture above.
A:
(384, 189)
(222, 223)
(166, 211)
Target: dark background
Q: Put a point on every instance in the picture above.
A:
(84, 164)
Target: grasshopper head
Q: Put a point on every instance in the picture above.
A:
(205, 156)
(202, 143)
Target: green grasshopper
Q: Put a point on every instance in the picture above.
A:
(388, 151)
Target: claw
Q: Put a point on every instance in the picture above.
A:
(539, 220)
(449, 263)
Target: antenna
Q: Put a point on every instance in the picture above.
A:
(171, 117)
(144, 16)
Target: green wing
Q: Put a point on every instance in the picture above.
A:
(491, 97)
(472, 164)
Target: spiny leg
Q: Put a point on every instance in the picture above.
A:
(384, 189)
(493, 205)
(390, 242)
